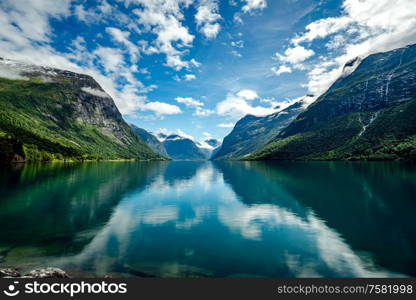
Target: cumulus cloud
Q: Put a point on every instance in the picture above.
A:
(322, 28)
(163, 18)
(111, 58)
(161, 108)
(363, 28)
(207, 17)
(248, 94)
(254, 5)
(189, 101)
(295, 55)
(199, 111)
(282, 69)
(189, 77)
(237, 106)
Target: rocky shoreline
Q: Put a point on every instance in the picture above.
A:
(36, 273)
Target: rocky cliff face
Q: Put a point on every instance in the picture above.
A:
(62, 114)
(252, 133)
(368, 113)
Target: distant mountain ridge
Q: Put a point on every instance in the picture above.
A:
(151, 140)
(252, 133)
(51, 114)
(368, 113)
(179, 147)
(182, 148)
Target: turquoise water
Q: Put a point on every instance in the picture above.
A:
(211, 219)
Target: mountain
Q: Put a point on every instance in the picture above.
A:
(368, 113)
(182, 148)
(213, 143)
(209, 147)
(49, 114)
(252, 133)
(150, 140)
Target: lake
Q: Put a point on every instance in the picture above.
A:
(211, 219)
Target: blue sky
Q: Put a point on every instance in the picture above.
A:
(197, 66)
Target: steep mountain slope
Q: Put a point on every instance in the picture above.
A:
(150, 140)
(252, 133)
(50, 114)
(182, 148)
(368, 113)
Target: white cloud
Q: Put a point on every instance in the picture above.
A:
(205, 145)
(86, 15)
(236, 105)
(248, 94)
(21, 21)
(322, 28)
(203, 112)
(198, 105)
(186, 77)
(122, 37)
(211, 30)
(161, 108)
(189, 77)
(95, 92)
(282, 69)
(189, 101)
(163, 18)
(254, 5)
(165, 132)
(363, 28)
(111, 58)
(295, 55)
(206, 18)
(183, 134)
(226, 125)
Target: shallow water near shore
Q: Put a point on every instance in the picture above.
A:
(211, 219)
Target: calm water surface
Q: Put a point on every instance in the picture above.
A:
(203, 219)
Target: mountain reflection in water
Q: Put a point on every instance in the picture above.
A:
(211, 219)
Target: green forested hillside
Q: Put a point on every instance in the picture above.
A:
(369, 114)
(46, 120)
(252, 133)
